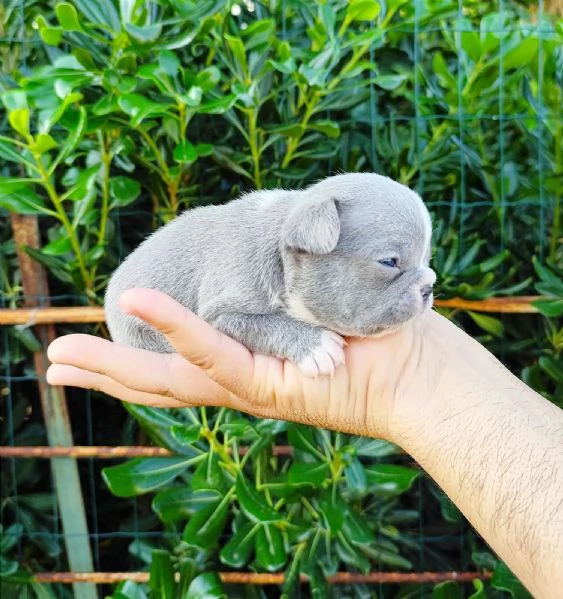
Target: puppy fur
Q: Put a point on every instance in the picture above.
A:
(288, 273)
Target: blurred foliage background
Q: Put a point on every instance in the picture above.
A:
(117, 115)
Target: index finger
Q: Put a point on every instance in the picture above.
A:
(167, 375)
(223, 359)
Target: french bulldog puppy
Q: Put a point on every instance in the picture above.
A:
(289, 273)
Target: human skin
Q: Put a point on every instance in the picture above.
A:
(492, 444)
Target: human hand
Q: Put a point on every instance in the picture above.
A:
(382, 383)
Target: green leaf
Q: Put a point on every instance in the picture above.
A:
(76, 132)
(209, 474)
(313, 473)
(238, 51)
(356, 528)
(10, 537)
(128, 590)
(269, 548)
(19, 121)
(11, 184)
(479, 590)
(494, 262)
(54, 115)
(524, 53)
(7, 567)
(43, 143)
(389, 82)
(549, 308)
(187, 569)
(14, 98)
(504, 580)
(205, 527)
(303, 438)
(23, 200)
(329, 128)
(253, 503)
(141, 475)
(288, 130)
(218, 106)
(447, 590)
(144, 34)
(139, 107)
(208, 78)
(374, 448)
(181, 503)
(186, 434)
(552, 366)
(124, 191)
(55, 264)
(204, 149)
(287, 67)
(58, 247)
(487, 323)
(236, 552)
(206, 586)
(553, 280)
(67, 17)
(158, 424)
(386, 553)
(334, 510)
(81, 183)
(52, 36)
(168, 63)
(446, 79)
(161, 581)
(390, 479)
(356, 477)
(102, 12)
(362, 10)
(185, 153)
(193, 97)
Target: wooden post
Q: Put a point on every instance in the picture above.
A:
(55, 413)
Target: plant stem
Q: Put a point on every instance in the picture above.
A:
(106, 161)
(62, 216)
(254, 146)
(556, 224)
(293, 142)
(312, 102)
(436, 134)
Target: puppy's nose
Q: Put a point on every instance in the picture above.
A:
(426, 292)
(427, 278)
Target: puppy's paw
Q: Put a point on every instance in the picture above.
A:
(325, 358)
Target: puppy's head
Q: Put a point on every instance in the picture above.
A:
(356, 251)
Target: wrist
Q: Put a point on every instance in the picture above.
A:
(446, 373)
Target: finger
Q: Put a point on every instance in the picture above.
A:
(167, 375)
(223, 359)
(62, 374)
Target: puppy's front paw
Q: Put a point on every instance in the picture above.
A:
(325, 358)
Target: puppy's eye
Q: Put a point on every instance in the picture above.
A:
(390, 262)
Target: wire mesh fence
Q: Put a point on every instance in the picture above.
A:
(459, 100)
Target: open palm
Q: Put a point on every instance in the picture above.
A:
(213, 369)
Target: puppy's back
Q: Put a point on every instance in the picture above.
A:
(201, 256)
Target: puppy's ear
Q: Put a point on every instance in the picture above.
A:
(313, 228)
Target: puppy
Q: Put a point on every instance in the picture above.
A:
(289, 273)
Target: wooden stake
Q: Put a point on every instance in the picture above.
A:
(55, 412)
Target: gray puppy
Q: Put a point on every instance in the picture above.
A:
(288, 273)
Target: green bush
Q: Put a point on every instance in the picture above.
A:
(120, 115)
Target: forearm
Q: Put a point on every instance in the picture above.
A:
(496, 448)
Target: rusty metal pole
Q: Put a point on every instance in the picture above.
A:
(55, 413)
